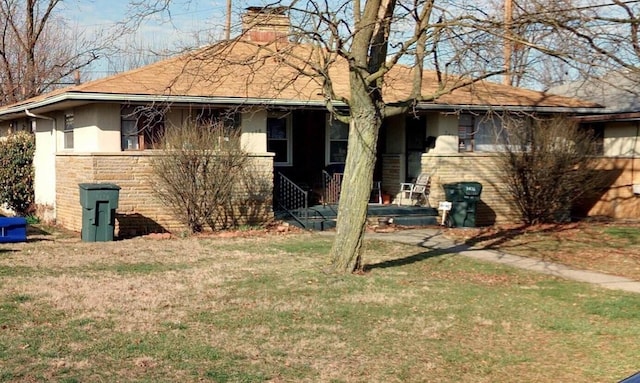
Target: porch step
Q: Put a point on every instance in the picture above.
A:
(323, 217)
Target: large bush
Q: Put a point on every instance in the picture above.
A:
(198, 171)
(16, 172)
(547, 165)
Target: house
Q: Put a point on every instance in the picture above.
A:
(618, 124)
(104, 130)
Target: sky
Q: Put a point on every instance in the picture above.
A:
(188, 23)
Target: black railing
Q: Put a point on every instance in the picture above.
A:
(293, 199)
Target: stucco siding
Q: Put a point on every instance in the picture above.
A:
(445, 128)
(621, 139)
(96, 128)
(254, 131)
(44, 169)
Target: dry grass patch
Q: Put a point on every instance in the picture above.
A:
(260, 309)
(612, 248)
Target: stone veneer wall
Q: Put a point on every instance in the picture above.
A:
(495, 203)
(616, 201)
(390, 173)
(139, 211)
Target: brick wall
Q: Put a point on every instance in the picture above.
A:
(616, 200)
(390, 173)
(139, 210)
(495, 203)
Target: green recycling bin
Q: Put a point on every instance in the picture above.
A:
(464, 197)
(99, 203)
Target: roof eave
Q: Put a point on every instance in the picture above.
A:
(510, 108)
(13, 112)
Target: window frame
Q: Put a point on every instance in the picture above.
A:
(147, 122)
(68, 130)
(329, 140)
(288, 138)
(466, 133)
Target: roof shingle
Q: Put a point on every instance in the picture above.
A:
(245, 70)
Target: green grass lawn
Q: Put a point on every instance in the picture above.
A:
(261, 310)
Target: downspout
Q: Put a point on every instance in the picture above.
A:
(54, 129)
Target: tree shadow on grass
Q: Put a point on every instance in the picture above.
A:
(419, 257)
(539, 240)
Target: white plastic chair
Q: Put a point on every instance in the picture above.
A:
(419, 188)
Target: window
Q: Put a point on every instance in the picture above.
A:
(279, 139)
(490, 135)
(477, 133)
(141, 127)
(337, 138)
(68, 131)
(227, 118)
(466, 127)
(225, 123)
(597, 133)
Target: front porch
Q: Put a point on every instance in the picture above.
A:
(299, 205)
(323, 217)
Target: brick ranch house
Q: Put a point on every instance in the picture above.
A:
(102, 130)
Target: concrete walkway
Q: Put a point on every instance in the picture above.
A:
(433, 239)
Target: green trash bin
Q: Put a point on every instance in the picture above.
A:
(99, 202)
(464, 197)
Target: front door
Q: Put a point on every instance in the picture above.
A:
(416, 135)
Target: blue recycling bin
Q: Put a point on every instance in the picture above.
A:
(13, 229)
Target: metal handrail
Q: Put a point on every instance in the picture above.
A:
(293, 199)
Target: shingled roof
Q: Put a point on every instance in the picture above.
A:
(246, 72)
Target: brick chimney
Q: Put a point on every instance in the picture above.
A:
(266, 24)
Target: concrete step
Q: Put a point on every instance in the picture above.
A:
(323, 217)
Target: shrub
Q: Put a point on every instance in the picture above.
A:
(197, 172)
(16, 172)
(547, 164)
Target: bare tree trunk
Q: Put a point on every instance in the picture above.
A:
(346, 252)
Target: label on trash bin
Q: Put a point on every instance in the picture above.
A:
(444, 206)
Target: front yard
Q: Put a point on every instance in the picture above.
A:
(259, 309)
(612, 248)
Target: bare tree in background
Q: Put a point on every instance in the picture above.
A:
(376, 38)
(38, 50)
(132, 52)
(556, 41)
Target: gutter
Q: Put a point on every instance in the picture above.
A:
(509, 108)
(108, 97)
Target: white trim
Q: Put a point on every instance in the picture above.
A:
(68, 130)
